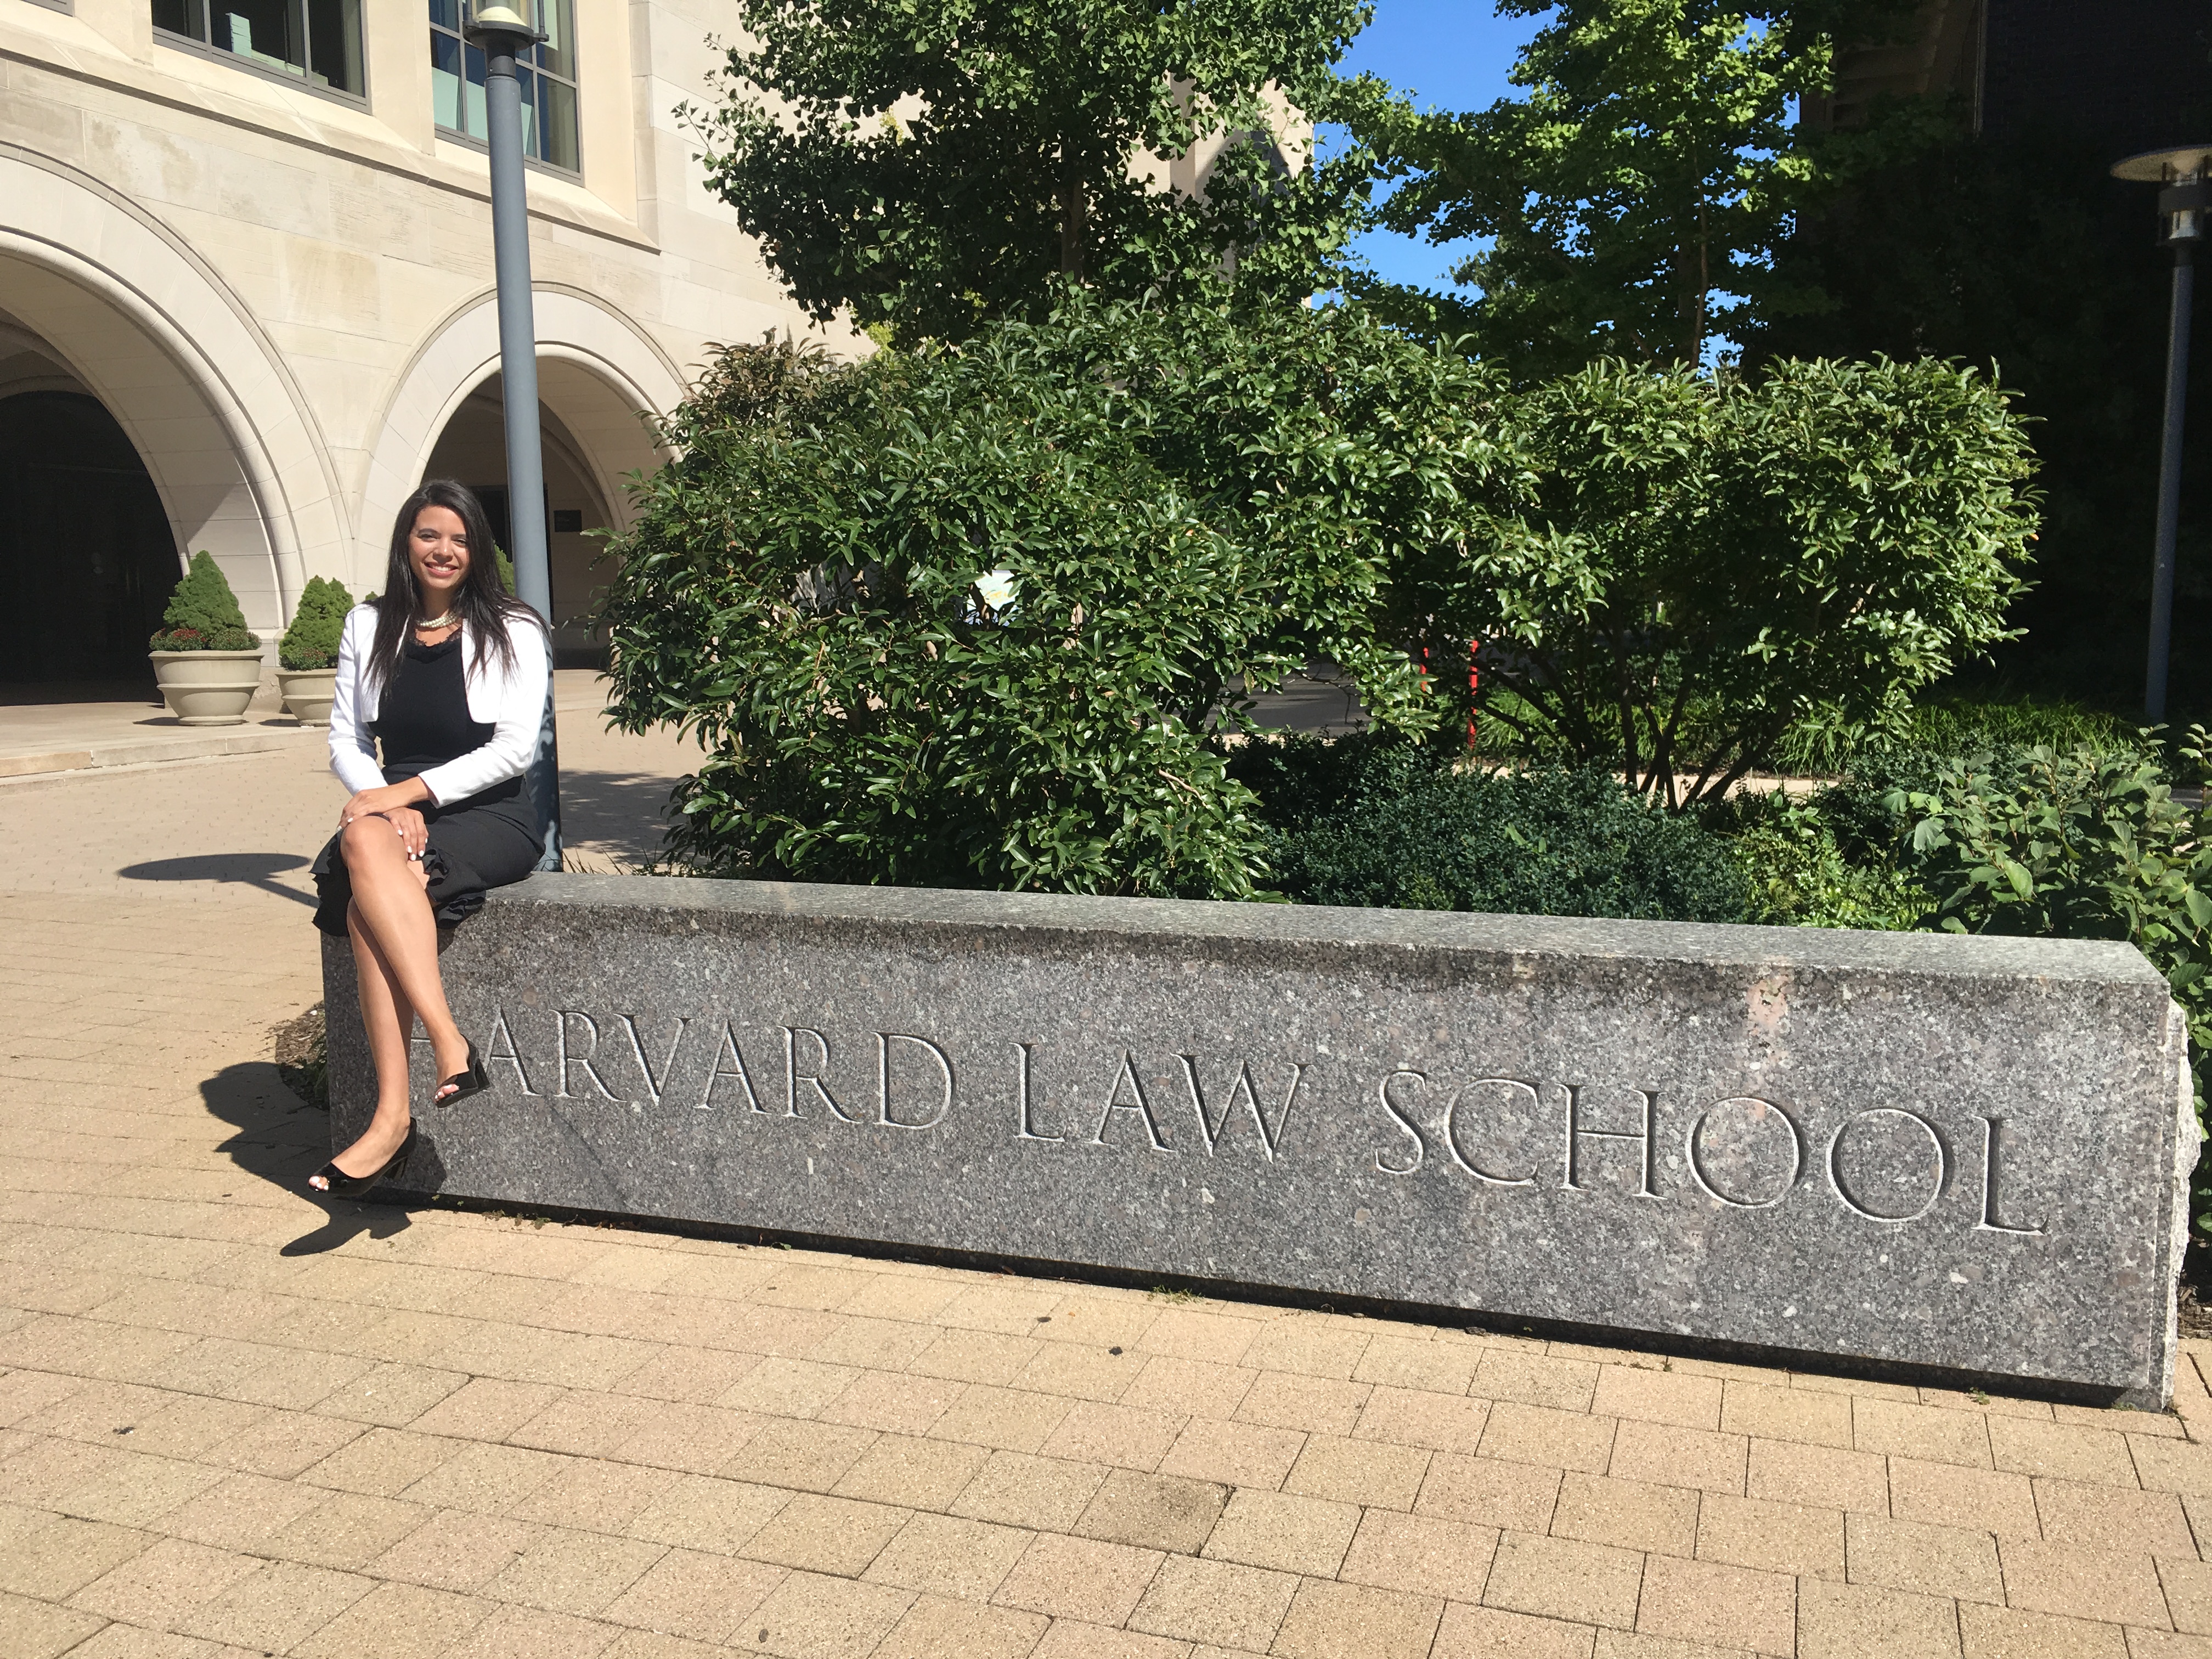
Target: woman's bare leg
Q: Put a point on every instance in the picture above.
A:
(389, 1019)
(392, 926)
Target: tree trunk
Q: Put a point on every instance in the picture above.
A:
(1701, 287)
(1073, 205)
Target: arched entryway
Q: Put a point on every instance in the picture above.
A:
(599, 377)
(472, 449)
(100, 301)
(86, 558)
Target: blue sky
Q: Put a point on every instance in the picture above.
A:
(1449, 54)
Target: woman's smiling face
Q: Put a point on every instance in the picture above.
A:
(437, 548)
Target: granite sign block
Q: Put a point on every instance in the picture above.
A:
(1964, 1154)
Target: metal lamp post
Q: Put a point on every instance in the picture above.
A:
(502, 33)
(2182, 208)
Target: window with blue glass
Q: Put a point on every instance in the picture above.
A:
(317, 42)
(546, 74)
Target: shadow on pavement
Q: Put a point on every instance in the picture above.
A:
(620, 813)
(282, 1142)
(243, 869)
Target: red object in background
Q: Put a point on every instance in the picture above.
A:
(1473, 683)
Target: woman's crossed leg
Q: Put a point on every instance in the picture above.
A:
(395, 952)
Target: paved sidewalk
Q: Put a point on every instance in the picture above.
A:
(113, 726)
(234, 1422)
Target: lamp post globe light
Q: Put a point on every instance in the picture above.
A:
(502, 32)
(2183, 207)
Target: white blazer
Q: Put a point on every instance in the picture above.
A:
(513, 703)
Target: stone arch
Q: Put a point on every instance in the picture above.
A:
(597, 374)
(147, 327)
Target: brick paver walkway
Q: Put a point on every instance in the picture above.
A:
(233, 1422)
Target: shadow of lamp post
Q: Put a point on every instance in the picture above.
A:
(502, 34)
(2182, 206)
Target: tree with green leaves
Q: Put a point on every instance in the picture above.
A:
(1699, 563)
(929, 168)
(1638, 191)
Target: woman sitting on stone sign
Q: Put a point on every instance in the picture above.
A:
(447, 673)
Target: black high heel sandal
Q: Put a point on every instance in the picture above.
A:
(345, 1186)
(463, 1084)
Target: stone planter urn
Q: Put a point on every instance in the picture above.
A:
(309, 693)
(208, 687)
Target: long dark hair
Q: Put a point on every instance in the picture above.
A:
(485, 605)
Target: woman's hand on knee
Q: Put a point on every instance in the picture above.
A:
(414, 833)
(375, 803)
(402, 828)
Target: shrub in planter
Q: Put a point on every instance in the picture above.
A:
(207, 661)
(307, 655)
(202, 614)
(1375, 822)
(318, 624)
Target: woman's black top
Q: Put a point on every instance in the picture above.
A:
(487, 839)
(423, 718)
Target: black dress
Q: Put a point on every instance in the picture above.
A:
(487, 839)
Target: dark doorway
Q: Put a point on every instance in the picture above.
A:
(86, 559)
(494, 497)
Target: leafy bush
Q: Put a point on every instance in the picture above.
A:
(1186, 508)
(1801, 873)
(318, 626)
(966, 617)
(2088, 844)
(1958, 725)
(202, 614)
(1696, 565)
(1363, 821)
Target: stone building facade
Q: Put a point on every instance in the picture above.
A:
(246, 301)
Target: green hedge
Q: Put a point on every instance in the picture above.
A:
(1374, 822)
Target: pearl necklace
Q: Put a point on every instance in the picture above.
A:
(432, 625)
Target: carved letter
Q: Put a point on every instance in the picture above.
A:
(1210, 1129)
(1695, 1146)
(792, 1076)
(1576, 1133)
(884, 1041)
(736, 1069)
(652, 1084)
(1022, 1096)
(561, 1028)
(1942, 1163)
(1128, 1074)
(1459, 1154)
(514, 1054)
(1420, 1147)
(1989, 1223)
